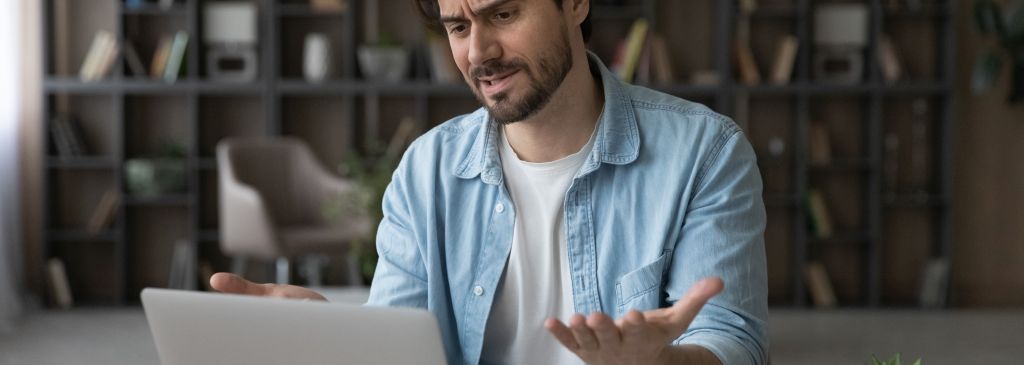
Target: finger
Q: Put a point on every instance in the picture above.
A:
(234, 284)
(686, 308)
(584, 336)
(633, 324)
(562, 333)
(608, 336)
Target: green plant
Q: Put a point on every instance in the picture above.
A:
(895, 360)
(1003, 22)
(371, 173)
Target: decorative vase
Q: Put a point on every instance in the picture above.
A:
(316, 58)
(383, 64)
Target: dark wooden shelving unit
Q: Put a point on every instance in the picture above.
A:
(347, 111)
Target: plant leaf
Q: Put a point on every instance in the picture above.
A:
(874, 360)
(987, 68)
(1013, 21)
(986, 17)
(918, 362)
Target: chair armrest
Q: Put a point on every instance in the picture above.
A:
(247, 227)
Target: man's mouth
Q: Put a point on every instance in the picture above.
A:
(490, 85)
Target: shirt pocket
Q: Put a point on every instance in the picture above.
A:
(640, 289)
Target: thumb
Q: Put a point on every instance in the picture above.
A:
(234, 284)
(678, 317)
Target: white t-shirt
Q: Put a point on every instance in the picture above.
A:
(536, 283)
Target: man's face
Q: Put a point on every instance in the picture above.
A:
(514, 54)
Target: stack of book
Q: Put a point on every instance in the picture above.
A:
(67, 137)
(169, 57)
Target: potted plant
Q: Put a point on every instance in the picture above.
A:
(384, 61)
(371, 172)
(1004, 24)
(895, 360)
(161, 173)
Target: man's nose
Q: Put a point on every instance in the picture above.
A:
(483, 46)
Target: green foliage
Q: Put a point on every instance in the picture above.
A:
(1003, 24)
(895, 360)
(371, 173)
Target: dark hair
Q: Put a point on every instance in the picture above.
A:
(431, 14)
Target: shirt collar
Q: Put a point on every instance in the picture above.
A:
(617, 140)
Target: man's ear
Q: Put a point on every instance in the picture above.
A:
(578, 10)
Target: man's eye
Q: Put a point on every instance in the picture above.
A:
(457, 29)
(503, 16)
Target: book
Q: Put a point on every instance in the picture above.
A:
(745, 61)
(109, 58)
(642, 76)
(443, 69)
(103, 215)
(60, 137)
(820, 219)
(889, 61)
(661, 66)
(785, 57)
(59, 286)
(819, 285)
(134, 61)
(98, 58)
(176, 57)
(819, 144)
(633, 47)
(67, 136)
(159, 63)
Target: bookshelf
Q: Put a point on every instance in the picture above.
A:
(882, 237)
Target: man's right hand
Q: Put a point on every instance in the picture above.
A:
(234, 284)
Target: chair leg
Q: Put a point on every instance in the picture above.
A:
(283, 270)
(238, 265)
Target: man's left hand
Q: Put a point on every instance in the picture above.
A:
(636, 338)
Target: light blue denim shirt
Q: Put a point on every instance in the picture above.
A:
(670, 194)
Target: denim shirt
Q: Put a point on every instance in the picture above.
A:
(670, 194)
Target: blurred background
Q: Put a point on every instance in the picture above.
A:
(134, 131)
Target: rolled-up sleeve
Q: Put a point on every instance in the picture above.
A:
(723, 235)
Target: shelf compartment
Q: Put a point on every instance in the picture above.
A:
(91, 270)
(324, 123)
(152, 234)
(229, 116)
(154, 124)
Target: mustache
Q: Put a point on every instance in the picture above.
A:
(496, 67)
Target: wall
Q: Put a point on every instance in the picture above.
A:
(989, 187)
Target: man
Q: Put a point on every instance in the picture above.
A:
(569, 197)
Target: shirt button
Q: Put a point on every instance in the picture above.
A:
(478, 290)
(499, 208)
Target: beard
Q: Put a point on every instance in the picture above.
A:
(552, 68)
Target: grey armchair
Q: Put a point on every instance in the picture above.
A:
(272, 191)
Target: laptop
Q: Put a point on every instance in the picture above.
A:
(208, 328)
